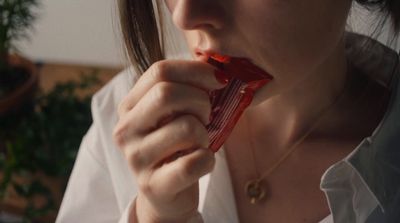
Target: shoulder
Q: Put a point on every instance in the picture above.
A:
(377, 160)
(105, 116)
(104, 112)
(379, 62)
(376, 77)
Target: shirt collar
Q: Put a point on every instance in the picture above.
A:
(377, 159)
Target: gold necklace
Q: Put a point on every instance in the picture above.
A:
(255, 189)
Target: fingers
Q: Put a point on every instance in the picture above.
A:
(193, 73)
(168, 99)
(161, 131)
(174, 177)
(180, 135)
(165, 100)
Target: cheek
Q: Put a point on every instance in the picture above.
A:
(193, 38)
(292, 36)
(190, 37)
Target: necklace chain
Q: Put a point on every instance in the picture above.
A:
(255, 189)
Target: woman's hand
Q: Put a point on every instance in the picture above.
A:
(162, 133)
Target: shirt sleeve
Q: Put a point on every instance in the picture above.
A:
(90, 196)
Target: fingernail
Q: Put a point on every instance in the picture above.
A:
(221, 77)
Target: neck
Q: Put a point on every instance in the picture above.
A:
(284, 118)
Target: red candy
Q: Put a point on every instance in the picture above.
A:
(228, 104)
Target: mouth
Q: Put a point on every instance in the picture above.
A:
(241, 67)
(243, 80)
(203, 55)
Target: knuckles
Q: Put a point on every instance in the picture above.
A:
(144, 185)
(160, 70)
(208, 161)
(188, 126)
(163, 93)
(136, 159)
(131, 150)
(195, 167)
(118, 134)
(123, 106)
(191, 129)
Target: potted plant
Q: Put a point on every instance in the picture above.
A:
(18, 76)
(40, 148)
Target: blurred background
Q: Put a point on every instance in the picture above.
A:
(76, 32)
(73, 49)
(85, 32)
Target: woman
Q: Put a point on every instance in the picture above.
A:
(319, 143)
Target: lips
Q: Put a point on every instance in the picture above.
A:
(238, 67)
(203, 55)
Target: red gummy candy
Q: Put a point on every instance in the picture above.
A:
(229, 103)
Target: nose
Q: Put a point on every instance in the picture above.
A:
(197, 14)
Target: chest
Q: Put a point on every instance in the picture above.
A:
(292, 191)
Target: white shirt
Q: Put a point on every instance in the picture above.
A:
(101, 187)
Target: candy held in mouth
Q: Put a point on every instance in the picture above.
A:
(228, 104)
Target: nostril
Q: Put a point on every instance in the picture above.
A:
(200, 55)
(199, 52)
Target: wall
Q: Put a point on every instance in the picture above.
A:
(81, 31)
(75, 31)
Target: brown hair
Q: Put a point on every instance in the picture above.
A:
(390, 9)
(144, 41)
(140, 31)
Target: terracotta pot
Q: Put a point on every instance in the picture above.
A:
(24, 92)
